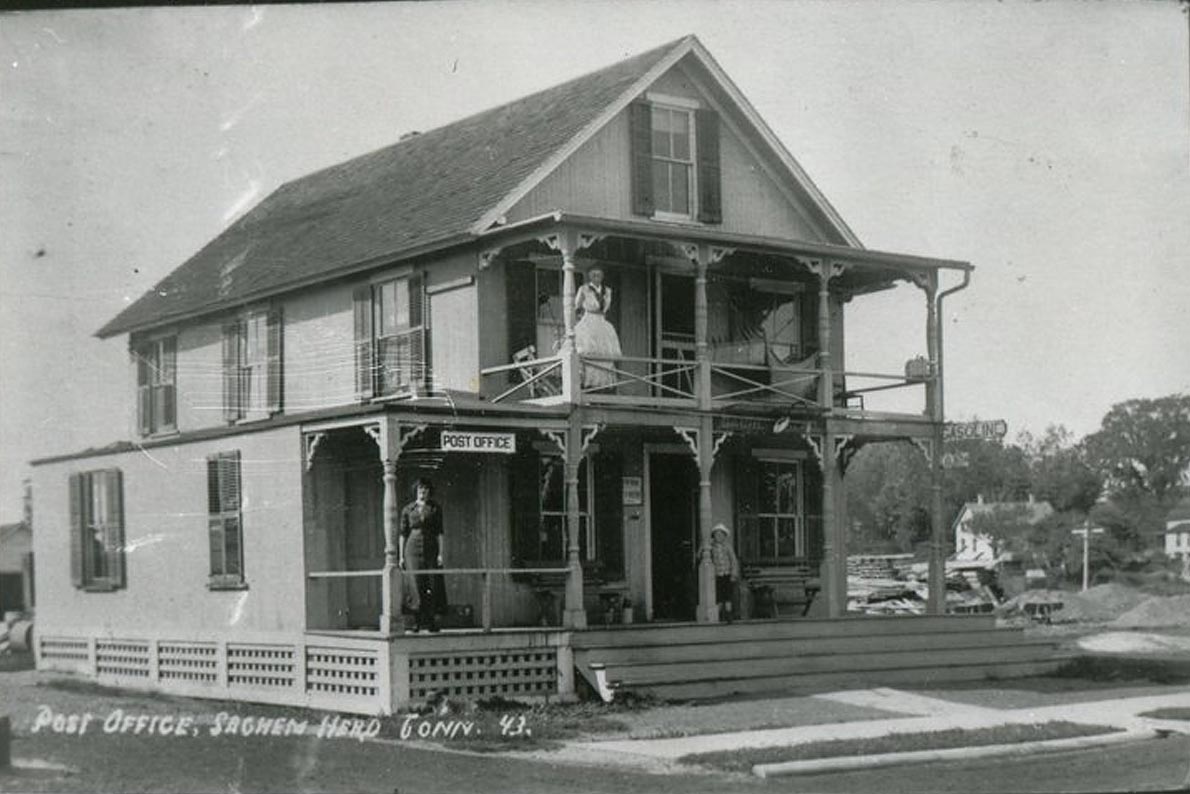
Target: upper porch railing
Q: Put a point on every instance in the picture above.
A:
(681, 382)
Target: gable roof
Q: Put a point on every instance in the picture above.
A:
(1036, 510)
(424, 193)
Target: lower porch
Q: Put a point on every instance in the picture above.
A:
(377, 675)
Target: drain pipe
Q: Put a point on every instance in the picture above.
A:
(938, 397)
(936, 604)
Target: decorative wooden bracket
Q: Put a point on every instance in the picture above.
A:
(845, 449)
(487, 256)
(405, 434)
(815, 442)
(588, 435)
(690, 251)
(927, 282)
(720, 438)
(557, 436)
(374, 433)
(926, 445)
(690, 436)
(719, 253)
(312, 442)
(588, 239)
(823, 268)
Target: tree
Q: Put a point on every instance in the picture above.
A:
(888, 497)
(1143, 449)
(1060, 472)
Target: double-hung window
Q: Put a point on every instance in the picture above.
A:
(156, 385)
(225, 522)
(97, 529)
(675, 173)
(252, 379)
(391, 347)
(552, 509)
(673, 160)
(771, 512)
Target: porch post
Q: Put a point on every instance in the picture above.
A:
(708, 607)
(936, 603)
(571, 366)
(391, 621)
(701, 347)
(826, 383)
(575, 614)
(834, 551)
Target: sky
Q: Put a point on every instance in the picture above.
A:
(1047, 143)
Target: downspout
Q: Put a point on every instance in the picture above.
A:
(939, 401)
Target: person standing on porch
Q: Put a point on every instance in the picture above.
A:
(594, 335)
(421, 550)
(727, 570)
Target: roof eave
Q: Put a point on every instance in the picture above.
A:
(114, 328)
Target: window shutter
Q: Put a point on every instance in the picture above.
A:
(231, 371)
(364, 367)
(746, 486)
(169, 381)
(526, 518)
(113, 481)
(418, 316)
(710, 194)
(609, 518)
(275, 384)
(144, 396)
(640, 132)
(77, 506)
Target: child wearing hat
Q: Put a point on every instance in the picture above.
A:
(727, 570)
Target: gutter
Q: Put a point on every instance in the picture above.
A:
(940, 407)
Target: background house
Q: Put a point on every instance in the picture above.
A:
(970, 546)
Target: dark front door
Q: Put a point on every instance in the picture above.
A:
(673, 504)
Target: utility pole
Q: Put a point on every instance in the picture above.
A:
(1086, 533)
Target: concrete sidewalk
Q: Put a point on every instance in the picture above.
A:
(913, 713)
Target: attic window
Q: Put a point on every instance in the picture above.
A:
(675, 161)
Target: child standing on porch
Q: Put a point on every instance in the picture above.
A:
(727, 570)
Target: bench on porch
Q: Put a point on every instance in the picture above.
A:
(780, 587)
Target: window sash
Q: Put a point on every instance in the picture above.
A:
(99, 520)
(552, 541)
(157, 385)
(673, 160)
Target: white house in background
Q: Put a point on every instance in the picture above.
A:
(972, 547)
(1177, 531)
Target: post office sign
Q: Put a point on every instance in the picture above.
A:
(471, 441)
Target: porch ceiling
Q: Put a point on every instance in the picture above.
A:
(866, 269)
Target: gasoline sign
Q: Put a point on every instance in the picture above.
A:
(467, 441)
(983, 430)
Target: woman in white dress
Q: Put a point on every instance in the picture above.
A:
(593, 335)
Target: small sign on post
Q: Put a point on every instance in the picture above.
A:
(980, 429)
(472, 441)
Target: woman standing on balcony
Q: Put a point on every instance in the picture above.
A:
(421, 550)
(594, 336)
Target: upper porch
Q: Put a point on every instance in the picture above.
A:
(705, 319)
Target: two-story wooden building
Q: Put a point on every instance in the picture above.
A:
(410, 313)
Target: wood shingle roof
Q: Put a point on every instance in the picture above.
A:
(424, 192)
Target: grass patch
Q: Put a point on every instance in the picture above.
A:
(744, 760)
(1168, 714)
(1125, 668)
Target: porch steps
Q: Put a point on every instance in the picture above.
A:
(692, 661)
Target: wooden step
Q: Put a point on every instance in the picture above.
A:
(642, 674)
(823, 682)
(800, 646)
(858, 625)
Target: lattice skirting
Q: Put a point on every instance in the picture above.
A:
(348, 676)
(510, 672)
